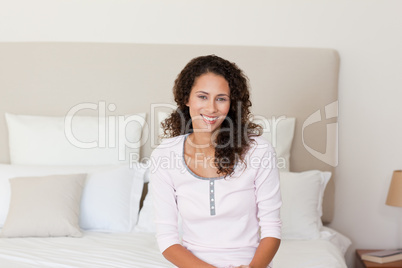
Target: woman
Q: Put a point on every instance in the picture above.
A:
(216, 172)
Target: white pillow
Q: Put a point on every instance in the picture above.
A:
(146, 216)
(44, 206)
(279, 132)
(302, 195)
(45, 140)
(301, 211)
(110, 200)
(161, 118)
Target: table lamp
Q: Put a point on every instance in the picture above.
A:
(394, 197)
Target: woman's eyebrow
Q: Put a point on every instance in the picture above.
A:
(222, 94)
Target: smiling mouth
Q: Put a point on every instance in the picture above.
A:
(209, 120)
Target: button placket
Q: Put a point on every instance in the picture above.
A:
(212, 197)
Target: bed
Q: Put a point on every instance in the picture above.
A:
(86, 116)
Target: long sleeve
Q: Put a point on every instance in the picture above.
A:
(268, 196)
(165, 205)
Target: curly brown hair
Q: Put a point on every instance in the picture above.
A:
(230, 146)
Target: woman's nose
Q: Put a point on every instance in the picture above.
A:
(212, 107)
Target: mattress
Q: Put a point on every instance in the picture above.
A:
(128, 250)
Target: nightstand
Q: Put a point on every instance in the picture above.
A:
(368, 264)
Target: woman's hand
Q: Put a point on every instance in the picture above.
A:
(182, 257)
(265, 252)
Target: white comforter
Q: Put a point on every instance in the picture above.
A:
(140, 250)
(308, 254)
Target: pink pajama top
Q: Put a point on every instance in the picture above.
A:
(223, 219)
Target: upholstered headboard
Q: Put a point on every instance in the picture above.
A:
(51, 78)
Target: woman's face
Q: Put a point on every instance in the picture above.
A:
(209, 102)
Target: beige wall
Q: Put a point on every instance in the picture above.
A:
(366, 34)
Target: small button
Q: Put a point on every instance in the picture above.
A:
(212, 183)
(212, 191)
(212, 199)
(212, 207)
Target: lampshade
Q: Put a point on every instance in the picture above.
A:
(395, 190)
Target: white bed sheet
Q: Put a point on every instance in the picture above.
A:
(317, 253)
(139, 250)
(93, 250)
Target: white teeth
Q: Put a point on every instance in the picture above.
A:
(210, 118)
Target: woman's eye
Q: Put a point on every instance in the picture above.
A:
(221, 99)
(202, 97)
